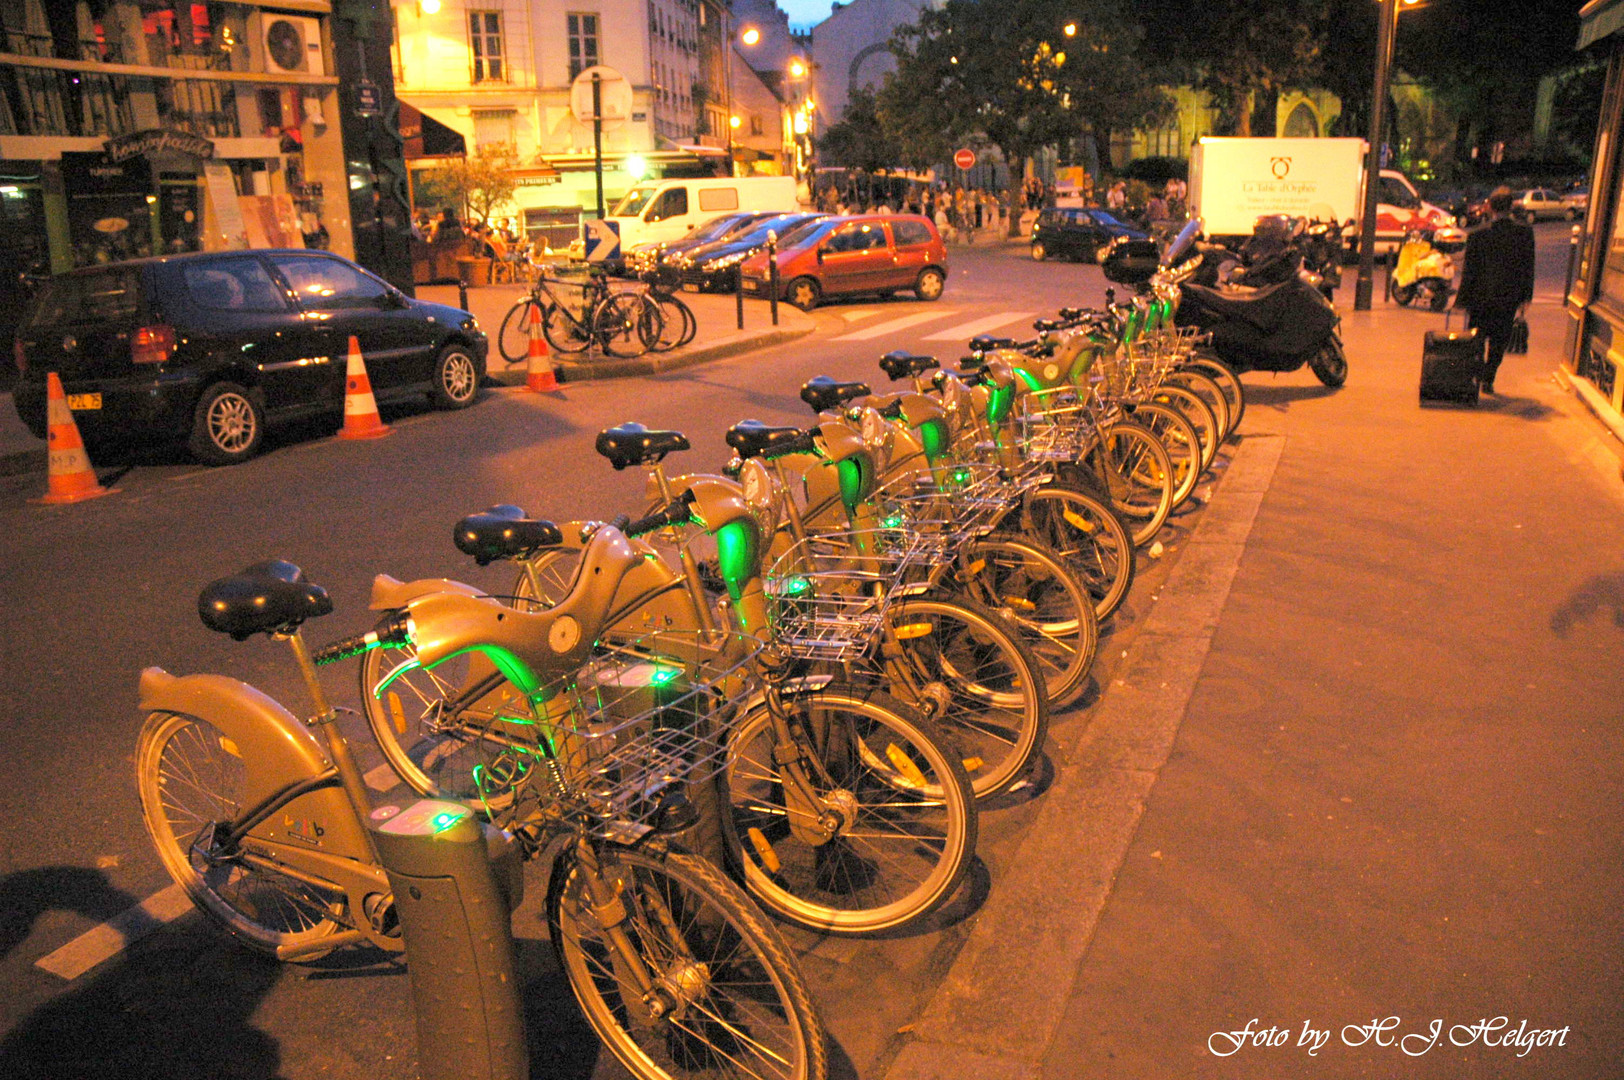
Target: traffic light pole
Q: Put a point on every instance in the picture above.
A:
(597, 135)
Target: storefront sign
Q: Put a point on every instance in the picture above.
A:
(229, 228)
(369, 99)
(537, 181)
(156, 140)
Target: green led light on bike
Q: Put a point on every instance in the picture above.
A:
(999, 402)
(664, 676)
(853, 482)
(736, 554)
(961, 475)
(933, 436)
(796, 586)
(1027, 378)
(442, 822)
(893, 522)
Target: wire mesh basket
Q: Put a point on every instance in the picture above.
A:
(827, 595)
(614, 740)
(949, 504)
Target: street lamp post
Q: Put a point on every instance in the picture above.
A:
(1387, 27)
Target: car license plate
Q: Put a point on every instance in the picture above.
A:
(84, 402)
(690, 286)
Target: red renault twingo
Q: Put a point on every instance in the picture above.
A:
(844, 256)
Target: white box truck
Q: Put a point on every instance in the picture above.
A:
(1235, 181)
(657, 210)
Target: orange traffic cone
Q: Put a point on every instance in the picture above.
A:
(69, 477)
(361, 420)
(539, 377)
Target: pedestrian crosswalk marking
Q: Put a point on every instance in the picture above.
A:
(891, 326)
(860, 313)
(107, 940)
(966, 331)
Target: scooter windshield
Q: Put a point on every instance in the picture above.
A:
(1181, 243)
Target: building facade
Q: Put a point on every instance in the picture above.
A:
(139, 127)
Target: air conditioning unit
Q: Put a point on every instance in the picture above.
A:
(292, 44)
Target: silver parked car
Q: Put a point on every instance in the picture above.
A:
(1537, 204)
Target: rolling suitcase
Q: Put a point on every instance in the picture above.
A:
(1451, 365)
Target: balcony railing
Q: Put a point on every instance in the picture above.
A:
(46, 101)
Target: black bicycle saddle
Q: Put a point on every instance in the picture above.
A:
(503, 532)
(901, 364)
(823, 392)
(633, 444)
(752, 438)
(268, 596)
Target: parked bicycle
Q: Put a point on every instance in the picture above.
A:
(619, 323)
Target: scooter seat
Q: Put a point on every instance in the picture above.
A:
(267, 597)
(503, 532)
(752, 438)
(823, 392)
(1260, 307)
(633, 444)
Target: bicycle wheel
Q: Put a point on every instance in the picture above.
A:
(690, 321)
(513, 339)
(1031, 586)
(905, 819)
(1086, 533)
(1194, 409)
(480, 750)
(1138, 477)
(563, 333)
(190, 778)
(1211, 394)
(620, 326)
(1179, 438)
(677, 328)
(967, 671)
(727, 997)
(1219, 372)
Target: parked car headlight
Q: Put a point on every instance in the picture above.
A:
(722, 262)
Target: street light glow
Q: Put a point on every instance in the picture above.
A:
(796, 69)
(750, 36)
(1071, 29)
(733, 121)
(636, 167)
(800, 124)
(429, 7)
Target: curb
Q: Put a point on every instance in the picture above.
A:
(1598, 405)
(570, 371)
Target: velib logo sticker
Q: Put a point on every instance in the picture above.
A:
(1280, 166)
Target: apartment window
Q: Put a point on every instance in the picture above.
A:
(583, 37)
(493, 126)
(485, 44)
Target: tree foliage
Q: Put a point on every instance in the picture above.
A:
(480, 183)
(1006, 72)
(858, 141)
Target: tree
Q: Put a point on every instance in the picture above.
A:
(858, 141)
(482, 181)
(1008, 72)
(1240, 52)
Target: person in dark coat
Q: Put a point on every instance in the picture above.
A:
(1498, 281)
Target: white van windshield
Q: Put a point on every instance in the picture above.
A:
(632, 203)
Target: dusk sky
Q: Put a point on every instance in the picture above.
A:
(805, 13)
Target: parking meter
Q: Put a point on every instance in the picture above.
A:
(456, 883)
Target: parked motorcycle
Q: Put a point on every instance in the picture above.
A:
(1426, 267)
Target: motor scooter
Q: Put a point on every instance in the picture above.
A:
(1425, 268)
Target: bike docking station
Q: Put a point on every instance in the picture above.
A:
(456, 882)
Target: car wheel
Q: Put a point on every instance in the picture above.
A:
(227, 426)
(1038, 252)
(930, 284)
(1572, 214)
(1101, 252)
(803, 292)
(456, 378)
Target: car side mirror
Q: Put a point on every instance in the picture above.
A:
(820, 255)
(393, 299)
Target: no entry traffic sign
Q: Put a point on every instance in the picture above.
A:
(965, 159)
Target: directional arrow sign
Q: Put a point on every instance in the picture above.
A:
(602, 239)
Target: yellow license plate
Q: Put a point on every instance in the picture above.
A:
(84, 401)
(690, 286)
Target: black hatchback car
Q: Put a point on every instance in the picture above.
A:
(716, 265)
(211, 347)
(1076, 233)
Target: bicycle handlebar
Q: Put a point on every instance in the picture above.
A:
(676, 512)
(393, 629)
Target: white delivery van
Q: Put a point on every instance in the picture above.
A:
(664, 210)
(1235, 181)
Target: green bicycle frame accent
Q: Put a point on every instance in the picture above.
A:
(852, 482)
(738, 553)
(933, 435)
(1000, 400)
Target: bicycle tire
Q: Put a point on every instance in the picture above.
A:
(974, 680)
(678, 327)
(1201, 417)
(1037, 593)
(1230, 383)
(1179, 438)
(480, 755)
(1083, 529)
(189, 775)
(1138, 477)
(563, 333)
(739, 1006)
(1211, 394)
(617, 327)
(918, 805)
(690, 322)
(513, 338)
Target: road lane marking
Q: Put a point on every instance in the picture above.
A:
(891, 326)
(112, 937)
(966, 331)
(861, 313)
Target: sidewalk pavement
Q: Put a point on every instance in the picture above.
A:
(719, 335)
(1361, 762)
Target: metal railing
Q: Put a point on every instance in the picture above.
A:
(47, 101)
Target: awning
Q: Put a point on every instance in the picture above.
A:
(426, 137)
(1599, 19)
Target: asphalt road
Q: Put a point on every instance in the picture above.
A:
(92, 593)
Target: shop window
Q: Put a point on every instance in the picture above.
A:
(583, 41)
(485, 45)
(240, 284)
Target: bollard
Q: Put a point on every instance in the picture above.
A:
(455, 904)
(738, 298)
(772, 274)
(1573, 258)
(462, 294)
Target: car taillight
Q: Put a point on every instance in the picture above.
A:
(19, 356)
(152, 344)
